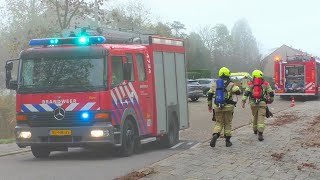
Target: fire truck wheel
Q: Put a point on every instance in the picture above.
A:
(129, 136)
(40, 152)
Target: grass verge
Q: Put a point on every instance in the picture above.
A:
(7, 141)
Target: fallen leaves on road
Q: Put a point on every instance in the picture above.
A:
(277, 156)
(311, 134)
(137, 174)
(284, 119)
(307, 165)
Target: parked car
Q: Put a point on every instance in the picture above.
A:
(194, 90)
(206, 83)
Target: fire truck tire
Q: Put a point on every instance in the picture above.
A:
(40, 152)
(129, 137)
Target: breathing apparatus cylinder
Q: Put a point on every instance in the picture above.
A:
(220, 100)
(257, 89)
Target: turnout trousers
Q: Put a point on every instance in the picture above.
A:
(258, 117)
(223, 121)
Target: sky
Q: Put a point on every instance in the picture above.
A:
(295, 23)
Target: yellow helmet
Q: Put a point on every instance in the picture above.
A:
(257, 74)
(224, 72)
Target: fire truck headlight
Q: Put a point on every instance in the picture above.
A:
(24, 134)
(99, 133)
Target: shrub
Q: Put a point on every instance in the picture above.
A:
(7, 115)
(200, 73)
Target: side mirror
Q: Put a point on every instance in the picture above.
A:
(127, 71)
(10, 84)
(9, 65)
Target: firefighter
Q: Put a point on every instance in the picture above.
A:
(258, 105)
(223, 113)
(244, 83)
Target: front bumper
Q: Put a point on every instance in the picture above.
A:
(80, 136)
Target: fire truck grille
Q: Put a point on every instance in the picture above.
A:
(60, 139)
(48, 120)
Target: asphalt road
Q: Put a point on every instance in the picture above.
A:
(81, 164)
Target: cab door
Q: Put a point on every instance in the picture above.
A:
(142, 90)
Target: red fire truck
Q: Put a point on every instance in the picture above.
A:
(119, 89)
(297, 75)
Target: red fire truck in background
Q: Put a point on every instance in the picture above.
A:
(297, 75)
(121, 89)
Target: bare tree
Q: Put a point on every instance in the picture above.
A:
(26, 19)
(67, 10)
(177, 27)
(133, 14)
(208, 36)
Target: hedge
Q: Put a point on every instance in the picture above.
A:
(199, 73)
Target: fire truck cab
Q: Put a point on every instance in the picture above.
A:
(119, 89)
(297, 75)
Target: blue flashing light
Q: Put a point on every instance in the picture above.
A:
(85, 115)
(83, 40)
(53, 41)
(97, 39)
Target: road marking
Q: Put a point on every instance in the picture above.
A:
(190, 143)
(196, 145)
(175, 146)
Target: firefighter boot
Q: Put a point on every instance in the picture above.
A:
(260, 137)
(228, 142)
(213, 141)
(255, 131)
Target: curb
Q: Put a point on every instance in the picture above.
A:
(14, 152)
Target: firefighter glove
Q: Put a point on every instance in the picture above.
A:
(213, 115)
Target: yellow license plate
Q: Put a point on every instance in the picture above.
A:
(60, 132)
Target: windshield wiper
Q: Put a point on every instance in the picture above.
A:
(35, 87)
(87, 87)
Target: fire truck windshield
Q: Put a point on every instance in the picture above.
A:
(54, 74)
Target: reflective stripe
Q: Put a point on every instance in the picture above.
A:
(217, 128)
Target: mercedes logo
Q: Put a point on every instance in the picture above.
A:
(59, 113)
